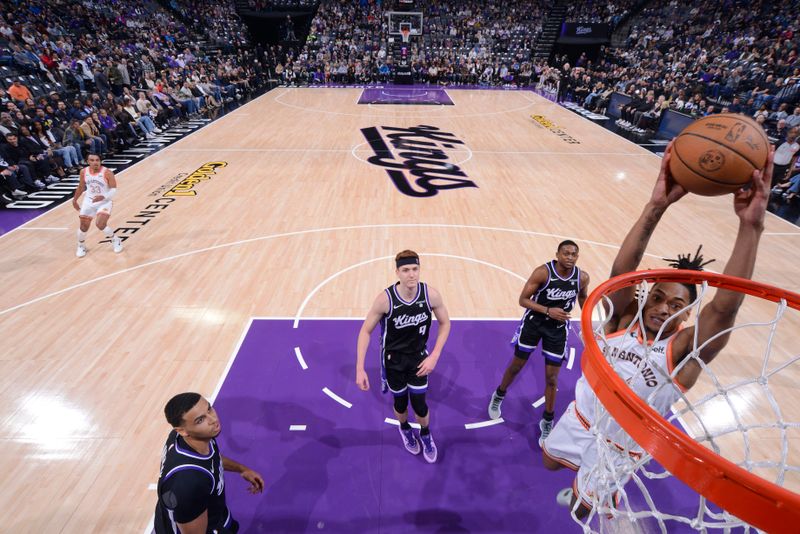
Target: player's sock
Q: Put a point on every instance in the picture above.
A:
(424, 431)
(405, 425)
(501, 392)
(81, 236)
(545, 427)
(108, 231)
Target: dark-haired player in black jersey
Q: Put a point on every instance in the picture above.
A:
(191, 487)
(548, 297)
(404, 310)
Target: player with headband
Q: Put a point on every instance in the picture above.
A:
(404, 311)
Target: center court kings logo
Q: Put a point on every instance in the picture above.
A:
(420, 160)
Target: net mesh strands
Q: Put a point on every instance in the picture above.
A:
(729, 417)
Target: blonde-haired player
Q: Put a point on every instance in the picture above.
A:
(100, 187)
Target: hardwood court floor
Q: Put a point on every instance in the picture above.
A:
(295, 223)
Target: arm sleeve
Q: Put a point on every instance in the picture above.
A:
(186, 494)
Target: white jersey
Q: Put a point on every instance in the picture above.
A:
(96, 184)
(645, 366)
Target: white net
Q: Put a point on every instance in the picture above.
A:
(743, 408)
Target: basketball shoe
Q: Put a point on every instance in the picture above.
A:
(410, 441)
(494, 405)
(429, 450)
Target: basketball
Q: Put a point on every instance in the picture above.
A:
(717, 154)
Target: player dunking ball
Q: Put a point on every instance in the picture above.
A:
(548, 297)
(404, 311)
(191, 488)
(100, 187)
(636, 353)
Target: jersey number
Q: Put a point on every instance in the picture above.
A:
(422, 329)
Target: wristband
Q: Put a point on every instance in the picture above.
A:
(111, 193)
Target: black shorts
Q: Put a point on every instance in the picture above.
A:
(401, 373)
(552, 333)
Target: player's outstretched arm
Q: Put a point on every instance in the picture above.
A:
(378, 309)
(443, 318)
(252, 477)
(665, 192)
(718, 315)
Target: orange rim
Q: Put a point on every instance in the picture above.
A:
(749, 497)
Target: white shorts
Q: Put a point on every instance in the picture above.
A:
(573, 445)
(568, 439)
(91, 209)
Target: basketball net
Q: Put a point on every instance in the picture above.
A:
(406, 33)
(650, 475)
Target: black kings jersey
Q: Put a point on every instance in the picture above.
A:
(407, 325)
(558, 292)
(190, 483)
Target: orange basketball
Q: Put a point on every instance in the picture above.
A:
(717, 154)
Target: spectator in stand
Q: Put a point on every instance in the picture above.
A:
(112, 130)
(778, 132)
(108, 137)
(122, 67)
(23, 60)
(97, 141)
(32, 170)
(186, 99)
(590, 11)
(146, 108)
(62, 114)
(762, 111)
(39, 152)
(126, 123)
(723, 51)
(114, 77)
(144, 122)
(464, 43)
(52, 143)
(19, 92)
(74, 136)
(290, 36)
(7, 124)
(784, 155)
(793, 120)
(12, 186)
(781, 113)
(101, 81)
(76, 111)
